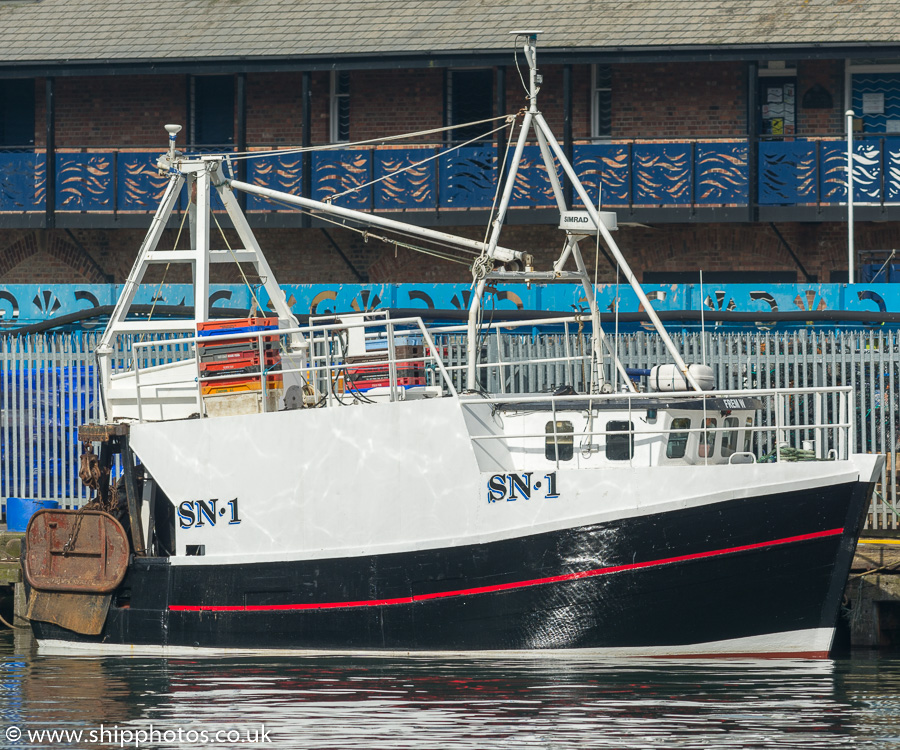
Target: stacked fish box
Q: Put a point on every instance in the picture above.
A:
(372, 370)
(232, 367)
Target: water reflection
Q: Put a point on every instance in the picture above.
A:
(341, 702)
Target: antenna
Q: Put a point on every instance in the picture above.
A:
(172, 130)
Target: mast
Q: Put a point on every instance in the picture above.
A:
(550, 147)
(205, 173)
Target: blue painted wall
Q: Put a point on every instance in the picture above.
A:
(24, 304)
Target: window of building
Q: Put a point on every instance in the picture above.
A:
(16, 114)
(559, 446)
(707, 447)
(470, 98)
(212, 111)
(778, 98)
(619, 447)
(601, 101)
(730, 437)
(340, 106)
(677, 444)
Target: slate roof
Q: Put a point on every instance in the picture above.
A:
(106, 31)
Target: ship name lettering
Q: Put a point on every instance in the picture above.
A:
(734, 403)
(511, 487)
(193, 514)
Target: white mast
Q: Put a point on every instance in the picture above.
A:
(548, 143)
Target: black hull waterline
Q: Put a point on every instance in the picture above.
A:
(741, 571)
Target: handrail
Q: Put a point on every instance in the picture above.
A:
(837, 428)
(322, 329)
(122, 184)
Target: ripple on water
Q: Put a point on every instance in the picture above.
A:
(425, 703)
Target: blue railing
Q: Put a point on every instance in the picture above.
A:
(676, 173)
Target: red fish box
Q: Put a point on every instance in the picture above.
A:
(365, 385)
(362, 374)
(248, 361)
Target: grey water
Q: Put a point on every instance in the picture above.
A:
(323, 702)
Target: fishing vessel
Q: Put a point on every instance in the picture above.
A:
(354, 483)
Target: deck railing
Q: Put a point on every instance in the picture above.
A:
(49, 386)
(634, 173)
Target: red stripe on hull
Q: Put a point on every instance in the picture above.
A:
(508, 586)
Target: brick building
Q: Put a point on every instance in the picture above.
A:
(716, 127)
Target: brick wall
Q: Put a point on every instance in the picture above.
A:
(685, 100)
(306, 256)
(393, 102)
(114, 111)
(654, 101)
(829, 74)
(274, 109)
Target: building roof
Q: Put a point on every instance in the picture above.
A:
(109, 32)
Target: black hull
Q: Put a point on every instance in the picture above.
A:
(742, 569)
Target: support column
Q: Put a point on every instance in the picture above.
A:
(568, 145)
(306, 142)
(752, 142)
(502, 135)
(242, 133)
(50, 183)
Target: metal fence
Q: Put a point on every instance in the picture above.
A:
(49, 386)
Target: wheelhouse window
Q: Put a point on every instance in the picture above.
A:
(16, 114)
(559, 444)
(730, 436)
(707, 448)
(340, 106)
(212, 110)
(748, 436)
(601, 101)
(470, 97)
(677, 444)
(619, 447)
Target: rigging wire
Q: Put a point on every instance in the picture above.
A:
(438, 155)
(242, 155)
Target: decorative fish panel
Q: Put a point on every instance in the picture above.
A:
(661, 173)
(787, 172)
(84, 182)
(337, 172)
(23, 181)
(610, 163)
(282, 172)
(892, 170)
(721, 173)
(468, 177)
(867, 169)
(408, 178)
(532, 187)
(139, 184)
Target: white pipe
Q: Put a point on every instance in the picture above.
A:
(850, 249)
(501, 253)
(491, 249)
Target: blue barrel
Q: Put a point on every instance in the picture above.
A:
(19, 511)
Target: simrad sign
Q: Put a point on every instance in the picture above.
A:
(581, 222)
